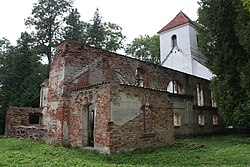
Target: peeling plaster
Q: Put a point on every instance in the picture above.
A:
(124, 108)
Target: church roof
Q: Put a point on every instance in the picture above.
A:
(179, 19)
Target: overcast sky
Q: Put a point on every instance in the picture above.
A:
(136, 17)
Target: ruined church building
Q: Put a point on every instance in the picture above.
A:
(95, 98)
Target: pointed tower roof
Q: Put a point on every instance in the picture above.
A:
(179, 19)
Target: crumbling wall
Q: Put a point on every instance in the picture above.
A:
(140, 118)
(57, 97)
(80, 67)
(30, 132)
(96, 66)
(126, 117)
(18, 123)
(97, 96)
(85, 66)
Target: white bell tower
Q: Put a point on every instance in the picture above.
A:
(179, 49)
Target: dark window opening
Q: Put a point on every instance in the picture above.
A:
(34, 119)
(174, 40)
(91, 126)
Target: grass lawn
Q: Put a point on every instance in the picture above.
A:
(195, 151)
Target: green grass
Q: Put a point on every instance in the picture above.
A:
(196, 151)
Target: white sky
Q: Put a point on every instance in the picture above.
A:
(136, 17)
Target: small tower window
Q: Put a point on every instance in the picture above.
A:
(174, 40)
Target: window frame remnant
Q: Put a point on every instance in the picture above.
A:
(177, 119)
(138, 77)
(215, 120)
(174, 87)
(201, 120)
(200, 97)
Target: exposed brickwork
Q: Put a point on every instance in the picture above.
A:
(17, 123)
(102, 66)
(79, 67)
(117, 103)
(154, 129)
(100, 98)
(110, 137)
(30, 132)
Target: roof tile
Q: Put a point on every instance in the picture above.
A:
(179, 19)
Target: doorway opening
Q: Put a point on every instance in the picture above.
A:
(91, 124)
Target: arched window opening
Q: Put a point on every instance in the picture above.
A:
(215, 120)
(139, 77)
(177, 119)
(174, 87)
(201, 120)
(200, 98)
(174, 40)
(34, 119)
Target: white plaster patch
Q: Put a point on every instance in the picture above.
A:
(59, 124)
(72, 73)
(124, 108)
(46, 118)
(54, 105)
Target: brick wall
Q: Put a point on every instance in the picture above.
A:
(151, 127)
(85, 70)
(109, 134)
(18, 125)
(101, 66)
(99, 98)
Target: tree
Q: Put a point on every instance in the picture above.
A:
(107, 36)
(96, 31)
(47, 19)
(75, 28)
(223, 43)
(247, 4)
(114, 39)
(145, 48)
(21, 74)
(30, 73)
(5, 49)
